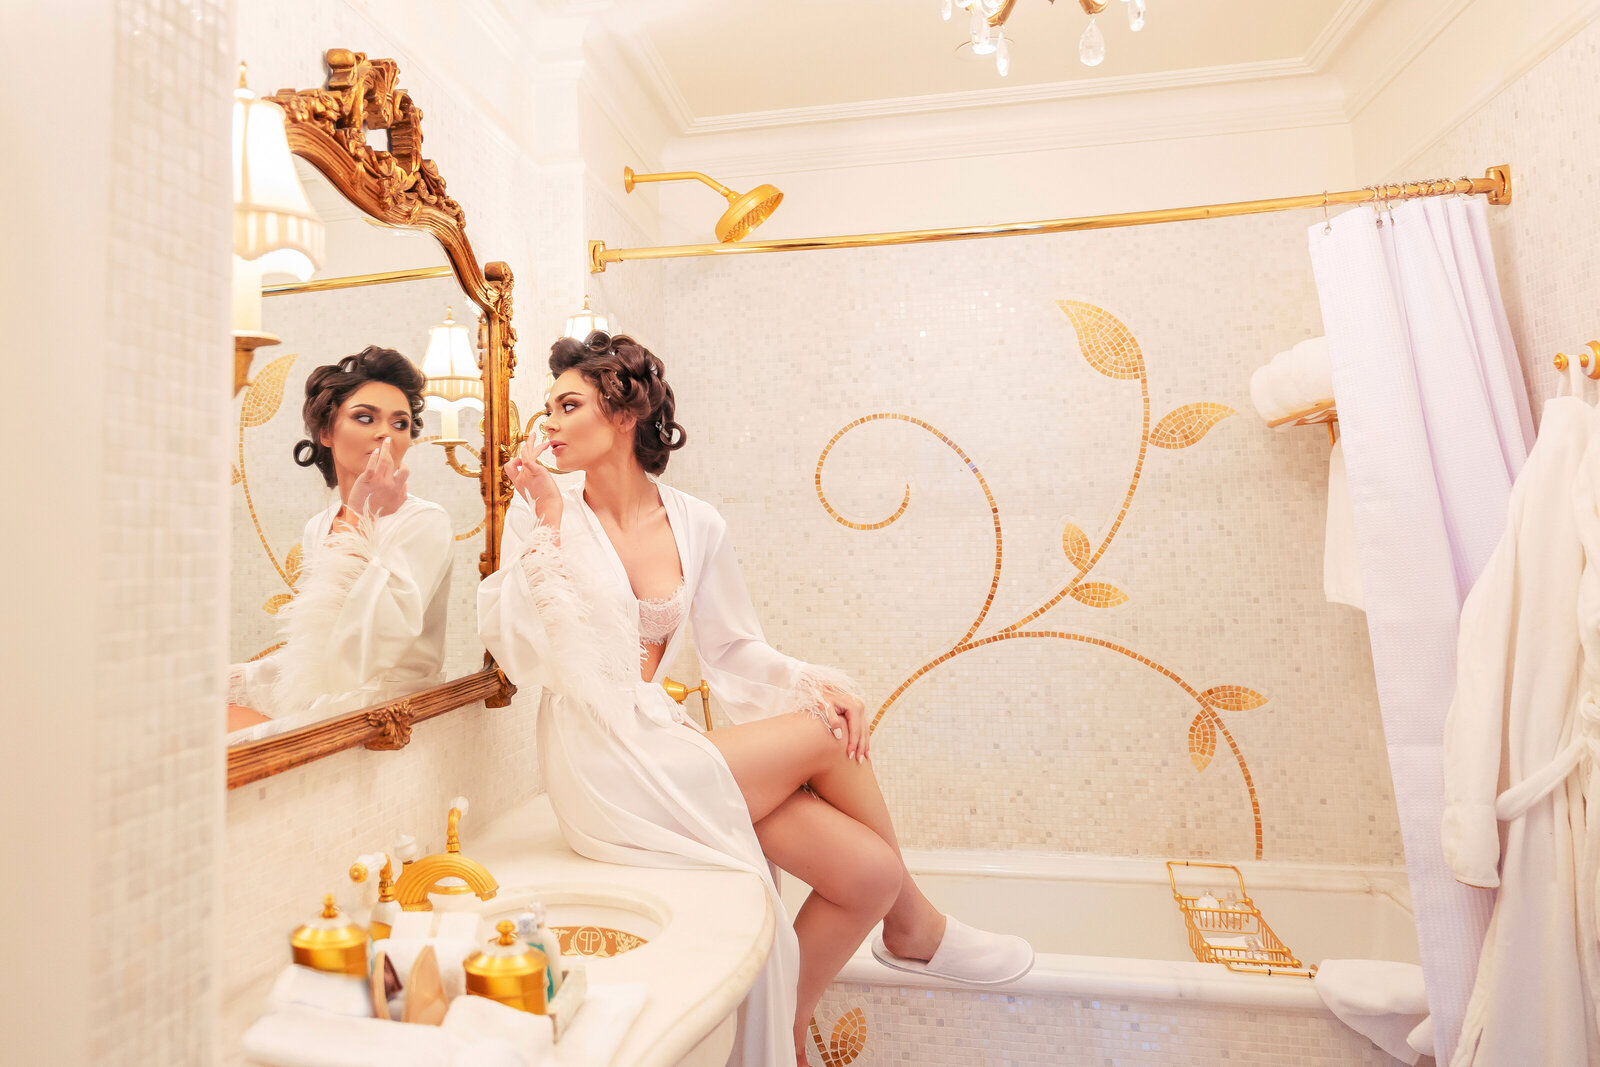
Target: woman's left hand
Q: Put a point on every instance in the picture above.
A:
(853, 711)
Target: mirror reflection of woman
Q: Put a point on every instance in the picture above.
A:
(367, 622)
(600, 568)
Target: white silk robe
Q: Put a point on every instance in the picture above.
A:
(631, 779)
(1522, 720)
(367, 623)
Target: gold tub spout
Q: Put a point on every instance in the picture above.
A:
(424, 876)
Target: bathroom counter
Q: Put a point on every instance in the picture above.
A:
(709, 931)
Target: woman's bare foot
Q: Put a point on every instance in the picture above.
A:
(914, 942)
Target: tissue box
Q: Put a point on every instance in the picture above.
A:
(563, 1007)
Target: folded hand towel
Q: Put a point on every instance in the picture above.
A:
(478, 1018)
(1381, 1000)
(600, 1025)
(305, 1037)
(340, 994)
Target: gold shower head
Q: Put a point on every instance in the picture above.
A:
(745, 211)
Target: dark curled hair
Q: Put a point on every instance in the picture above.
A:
(328, 387)
(630, 381)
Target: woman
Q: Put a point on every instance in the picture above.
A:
(368, 619)
(598, 572)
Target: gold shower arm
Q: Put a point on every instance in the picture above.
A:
(1496, 184)
(630, 179)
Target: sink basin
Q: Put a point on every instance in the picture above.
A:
(592, 920)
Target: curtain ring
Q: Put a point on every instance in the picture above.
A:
(1327, 223)
(1377, 215)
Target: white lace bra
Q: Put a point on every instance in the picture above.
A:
(660, 619)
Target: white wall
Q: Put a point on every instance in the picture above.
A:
(115, 282)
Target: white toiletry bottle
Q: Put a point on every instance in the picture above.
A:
(533, 931)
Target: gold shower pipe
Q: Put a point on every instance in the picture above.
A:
(1496, 184)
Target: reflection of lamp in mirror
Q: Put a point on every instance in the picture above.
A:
(275, 231)
(455, 383)
(585, 322)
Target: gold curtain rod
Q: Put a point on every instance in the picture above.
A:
(1496, 184)
(350, 281)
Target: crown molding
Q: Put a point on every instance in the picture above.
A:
(1308, 100)
(1336, 32)
(657, 81)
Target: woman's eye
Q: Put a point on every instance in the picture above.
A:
(568, 406)
(363, 417)
(402, 424)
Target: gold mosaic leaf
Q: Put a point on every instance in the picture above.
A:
(1182, 427)
(1232, 698)
(1105, 342)
(266, 392)
(1098, 594)
(237, 477)
(292, 564)
(1075, 543)
(849, 1038)
(275, 603)
(265, 652)
(1202, 740)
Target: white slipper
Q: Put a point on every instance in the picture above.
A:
(974, 957)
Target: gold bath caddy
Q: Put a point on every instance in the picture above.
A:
(1238, 919)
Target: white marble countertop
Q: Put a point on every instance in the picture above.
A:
(715, 927)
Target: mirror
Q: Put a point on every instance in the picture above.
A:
(364, 514)
(417, 628)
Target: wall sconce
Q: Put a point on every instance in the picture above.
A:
(585, 322)
(455, 383)
(275, 231)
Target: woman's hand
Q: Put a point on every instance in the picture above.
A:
(381, 488)
(530, 478)
(848, 709)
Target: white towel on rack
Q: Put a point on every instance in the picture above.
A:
(1293, 381)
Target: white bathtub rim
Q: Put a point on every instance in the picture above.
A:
(1113, 978)
(1090, 867)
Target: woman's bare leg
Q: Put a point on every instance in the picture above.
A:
(854, 877)
(771, 758)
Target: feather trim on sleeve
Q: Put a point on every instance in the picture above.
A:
(592, 644)
(810, 690)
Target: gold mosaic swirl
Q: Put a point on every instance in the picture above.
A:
(849, 1039)
(1111, 349)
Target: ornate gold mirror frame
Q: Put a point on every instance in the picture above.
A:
(327, 127)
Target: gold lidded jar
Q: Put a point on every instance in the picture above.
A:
(331, 943)
(509, 971)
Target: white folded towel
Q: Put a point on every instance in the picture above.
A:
(1294, 380)
(1341, 567)
(491, 1052)
(600, 1025)
(305, 1037)
(340, 994)
(479, 1018)
(1382, 1000)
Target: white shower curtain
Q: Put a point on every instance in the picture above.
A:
(1435, 425)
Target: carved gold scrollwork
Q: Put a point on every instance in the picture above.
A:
(395, 722)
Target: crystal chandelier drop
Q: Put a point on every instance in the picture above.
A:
(987, 28)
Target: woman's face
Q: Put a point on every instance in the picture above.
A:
(375, 411)
(579, 431)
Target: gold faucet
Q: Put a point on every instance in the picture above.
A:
(424, 876)
(680, 692)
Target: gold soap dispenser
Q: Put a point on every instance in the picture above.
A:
(509, 971)
(331, 942)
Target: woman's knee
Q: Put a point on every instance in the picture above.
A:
(879, 875)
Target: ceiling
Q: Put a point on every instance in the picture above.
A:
(733, 57)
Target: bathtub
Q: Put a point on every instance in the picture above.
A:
(1114, 982)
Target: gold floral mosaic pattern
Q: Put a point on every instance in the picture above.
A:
(1111, 349)
(600, 942)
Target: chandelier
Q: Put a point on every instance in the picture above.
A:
(988, 28)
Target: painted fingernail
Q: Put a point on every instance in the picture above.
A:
(861, 757)
(837, 733)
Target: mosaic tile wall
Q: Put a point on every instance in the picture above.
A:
(875, 1026)
(1194, 672)
(151, 717)
(1544, 239)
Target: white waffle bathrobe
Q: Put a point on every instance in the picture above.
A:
(1521, 723)
(630, 778)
